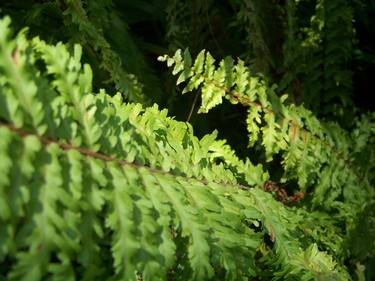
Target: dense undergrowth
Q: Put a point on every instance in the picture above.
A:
(102, 185)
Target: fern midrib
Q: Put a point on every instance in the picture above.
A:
(106, 158)
(247, 102)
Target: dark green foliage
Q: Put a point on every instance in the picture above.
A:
(117, 61)
(318, 55)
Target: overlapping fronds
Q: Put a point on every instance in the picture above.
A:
(317, 56)
(316, 154)
(76, 15)
(259, 20)
(92, 188)
(118, 61)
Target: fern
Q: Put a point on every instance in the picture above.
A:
(317, 155)
(116, 60)
(93, 188)
(125, 82)
(253, 16)
(317, 56)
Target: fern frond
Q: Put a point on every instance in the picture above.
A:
(127, 83)
(313, 153)
(317, 57)
(97, 189)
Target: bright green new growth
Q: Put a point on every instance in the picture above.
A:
(92, 188)
(315, 154)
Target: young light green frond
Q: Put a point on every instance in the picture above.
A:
(309, 148)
